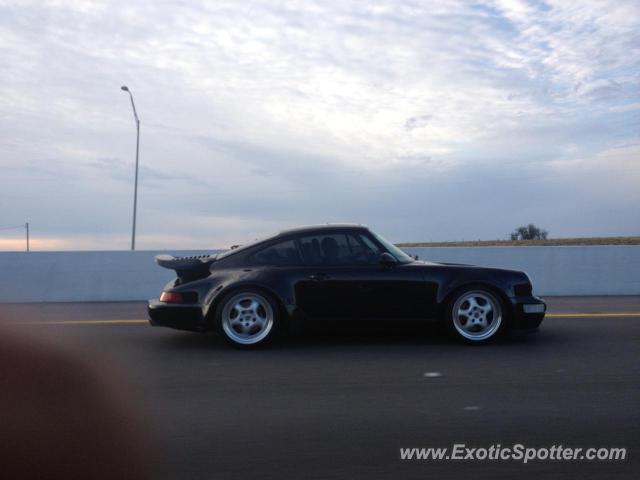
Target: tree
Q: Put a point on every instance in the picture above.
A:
(529, 232)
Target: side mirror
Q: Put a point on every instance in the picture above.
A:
(388, 260)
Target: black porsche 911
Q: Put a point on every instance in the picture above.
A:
(337, 272)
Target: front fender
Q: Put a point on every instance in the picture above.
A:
(499, 280)
(445, 293)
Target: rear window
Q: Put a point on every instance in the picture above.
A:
(281, 253)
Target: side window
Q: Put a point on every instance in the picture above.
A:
(325, 249)
(283, 253)
(369, 245)
(363, 249)
(310, 247)
(337, 249)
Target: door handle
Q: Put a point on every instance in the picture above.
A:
(318, 276)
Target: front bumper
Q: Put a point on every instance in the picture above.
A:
(526, 314)
(181, 317)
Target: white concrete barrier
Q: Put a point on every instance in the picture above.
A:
(125, 275)
(83, 276)
(570, 270)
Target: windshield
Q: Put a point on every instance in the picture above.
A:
(395, 251)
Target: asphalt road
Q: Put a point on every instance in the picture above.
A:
(342, 404)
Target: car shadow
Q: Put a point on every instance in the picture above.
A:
(344, 337)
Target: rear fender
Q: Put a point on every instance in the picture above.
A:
(219, 293)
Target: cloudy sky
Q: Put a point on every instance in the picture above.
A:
(441, 120)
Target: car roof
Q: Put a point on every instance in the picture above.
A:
(327, 227)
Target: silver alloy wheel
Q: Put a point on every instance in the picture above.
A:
(247, 318)
(477, 315)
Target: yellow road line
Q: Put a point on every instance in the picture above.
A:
(83, 322)
(140, 322)
(621, 314)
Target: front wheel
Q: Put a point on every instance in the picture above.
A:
(247, 318)
(476, 315)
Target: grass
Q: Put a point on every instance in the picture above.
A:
(530, 243)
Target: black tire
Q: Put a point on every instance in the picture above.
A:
(476, 315)
(248, 318)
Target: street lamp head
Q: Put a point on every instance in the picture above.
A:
(125, 88)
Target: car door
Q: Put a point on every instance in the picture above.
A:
(329, 285)
(398, 292)
(392, 291)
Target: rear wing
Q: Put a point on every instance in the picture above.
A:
(187, 268)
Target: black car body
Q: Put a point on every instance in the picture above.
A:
(341, 272)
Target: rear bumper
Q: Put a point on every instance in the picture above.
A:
(180, 317)
(526, 314)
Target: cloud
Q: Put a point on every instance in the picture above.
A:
(419, 121)
(426, 120)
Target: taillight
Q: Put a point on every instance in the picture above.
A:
(171, 297)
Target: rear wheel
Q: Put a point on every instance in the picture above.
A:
(476, 315)
(247, 318)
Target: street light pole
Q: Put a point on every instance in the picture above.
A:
(135, 186)
(26, 226)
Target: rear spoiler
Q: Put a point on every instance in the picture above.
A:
(187, 268)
